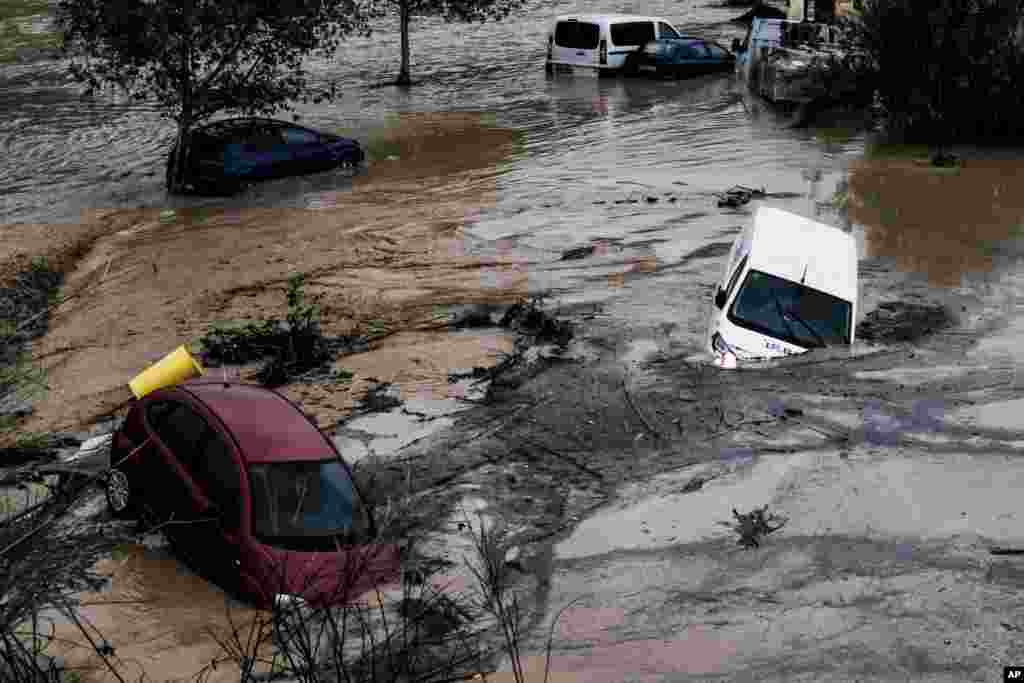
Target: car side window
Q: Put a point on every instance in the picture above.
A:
(264, 139)
(692, 51)
(157, 412)
(632, 33)
(666, 31)
(735, 277)
(299, 136)
(218, 475)
(182, 431)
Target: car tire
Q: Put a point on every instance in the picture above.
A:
(118, 492)
(632, 65)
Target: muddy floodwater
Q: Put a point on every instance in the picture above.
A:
(480, 178)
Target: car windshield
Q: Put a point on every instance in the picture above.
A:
(303, 499)
(791, 312)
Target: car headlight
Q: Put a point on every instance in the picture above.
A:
(719, 344)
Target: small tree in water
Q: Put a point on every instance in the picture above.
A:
(197, 58)
(449, 10)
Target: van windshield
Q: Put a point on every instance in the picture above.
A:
(791, 312)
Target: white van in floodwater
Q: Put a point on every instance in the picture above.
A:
(598, 44)
(790, 285)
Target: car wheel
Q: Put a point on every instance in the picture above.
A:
(632, 65)
(119, 493)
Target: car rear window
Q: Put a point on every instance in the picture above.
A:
(632, 33)
(666, 31)
(299, 136)
(578, 35)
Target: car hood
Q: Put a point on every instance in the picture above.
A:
(333, 578)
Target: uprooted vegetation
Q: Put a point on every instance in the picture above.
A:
(24, 307)
(536, 327)
(46, 555)
(753, 526)
(289, 348)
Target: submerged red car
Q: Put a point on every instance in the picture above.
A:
(251, 490)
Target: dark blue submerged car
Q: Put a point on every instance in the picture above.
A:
(226, 155)
(679, 58)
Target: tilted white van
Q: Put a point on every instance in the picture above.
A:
(600, 43)
(790, 285)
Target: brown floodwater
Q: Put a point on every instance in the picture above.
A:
(945, 223)
(162, 619)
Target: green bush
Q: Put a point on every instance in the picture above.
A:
(946, 69)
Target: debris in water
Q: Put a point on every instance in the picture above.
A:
(739, 195)
(380, 398)
(527, 317)
(899, 321)
(694, 484)
(577, 253)
(754, 525)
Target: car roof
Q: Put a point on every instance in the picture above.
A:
(610, 18)
(797, 248)
(225, 125)
(267, 426)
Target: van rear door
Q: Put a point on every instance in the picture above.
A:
(576, 43)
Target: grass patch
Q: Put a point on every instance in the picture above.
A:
(379, 148)
(10, 9)
(15, 32)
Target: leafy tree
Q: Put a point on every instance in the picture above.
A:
(449, 10)
(198, 58)
(947, 69)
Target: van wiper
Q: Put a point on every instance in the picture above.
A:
(782, 315)
(818, 337)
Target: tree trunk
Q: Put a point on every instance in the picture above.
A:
(177, 177)
(403, 18)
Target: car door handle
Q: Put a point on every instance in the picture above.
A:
(581, 53)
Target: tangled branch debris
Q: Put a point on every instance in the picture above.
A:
(754, 525)
(739, 195)
(528, 317)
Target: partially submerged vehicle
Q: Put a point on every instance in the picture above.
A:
(679, 58)
(225, 155)
(792, 61)
(251, 491)
(612, 44)
(789, 286)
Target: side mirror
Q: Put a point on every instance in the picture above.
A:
(720, 298)
(736, 44)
